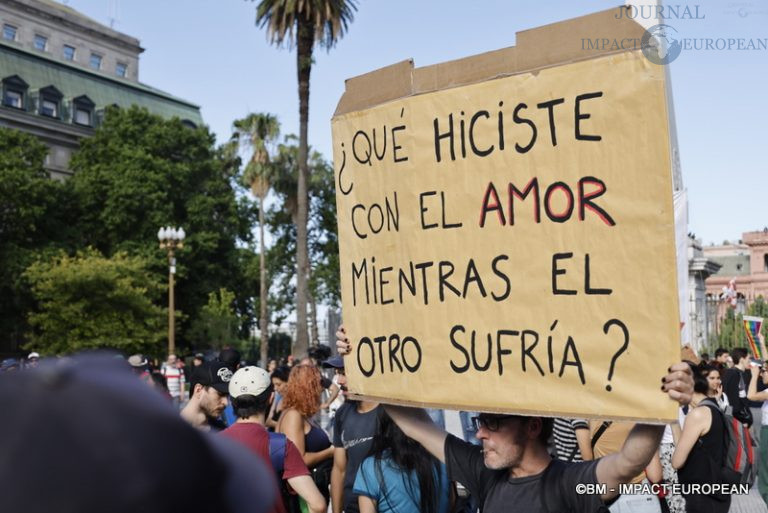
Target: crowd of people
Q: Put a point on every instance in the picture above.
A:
(731, 385)
(326, 451)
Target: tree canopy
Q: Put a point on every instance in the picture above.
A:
(140, 172)
(92, 302)
(33, 219)
(137, 172)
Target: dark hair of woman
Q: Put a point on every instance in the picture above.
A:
(409, 456)
(700, 383)
(281, 373)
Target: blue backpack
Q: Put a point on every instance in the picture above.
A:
(277, 443)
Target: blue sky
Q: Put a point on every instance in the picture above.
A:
(211, 53)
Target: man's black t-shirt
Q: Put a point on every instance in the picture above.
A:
(735, 386)
(216, 424)
(498, 493)
(354, 431)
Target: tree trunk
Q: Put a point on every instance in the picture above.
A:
(263, 319)
(304, 65)
(315, 338)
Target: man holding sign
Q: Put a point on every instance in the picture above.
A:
(514, 466)
(506, 223)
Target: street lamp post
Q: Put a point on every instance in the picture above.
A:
(171, 239)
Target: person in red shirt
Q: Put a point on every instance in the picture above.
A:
(250, 391)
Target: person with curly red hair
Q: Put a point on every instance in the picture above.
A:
(301, 402)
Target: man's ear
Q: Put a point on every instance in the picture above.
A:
(535, 425)
(197, 389)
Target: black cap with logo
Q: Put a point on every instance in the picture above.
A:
(213, 374)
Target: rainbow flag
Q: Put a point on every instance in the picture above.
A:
(752, 326)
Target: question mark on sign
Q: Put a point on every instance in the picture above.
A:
(618, 353)
(344, 165)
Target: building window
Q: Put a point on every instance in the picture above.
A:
(14, 92)
(82, 116)
(50, 100)
(83, 111)
(41, 42)
(765, 263)
(9, 32)
(13, 99)
(95, 61)
(121, 69)
(49, 108)
(69, 53)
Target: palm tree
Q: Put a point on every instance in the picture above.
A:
(304, 23)
(284, 180)
(259, 132)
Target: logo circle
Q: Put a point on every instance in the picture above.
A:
(660, 44)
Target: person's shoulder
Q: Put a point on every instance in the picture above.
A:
(291, 415)
(344, 409)
(367, 464)
(572, 471)
(237, 430)
(701, 412)
(562, 478)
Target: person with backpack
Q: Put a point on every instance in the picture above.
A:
(702, 448)
(251, 392)
(753, 395)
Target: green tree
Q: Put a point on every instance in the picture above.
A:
(279, 345)
(33, 220)
(323, 240)
(730, 332)
(217, 324)
(139, 172)
(258, 133)
(304, 23)
(758, 308)
(92, 302)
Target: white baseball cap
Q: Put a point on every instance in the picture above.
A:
(249, 380)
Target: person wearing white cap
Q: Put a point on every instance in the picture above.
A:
(250, 391)
(32, 360)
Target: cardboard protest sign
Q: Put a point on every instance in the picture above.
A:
(506, 232)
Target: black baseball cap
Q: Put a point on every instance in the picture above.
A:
(334, 362)
(231, 357)
(213, 374)
(80, 440)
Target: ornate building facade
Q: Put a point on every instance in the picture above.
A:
(60, 70)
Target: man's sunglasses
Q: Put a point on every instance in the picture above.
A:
(490, 422)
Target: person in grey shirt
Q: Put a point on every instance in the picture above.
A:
(514, 469)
